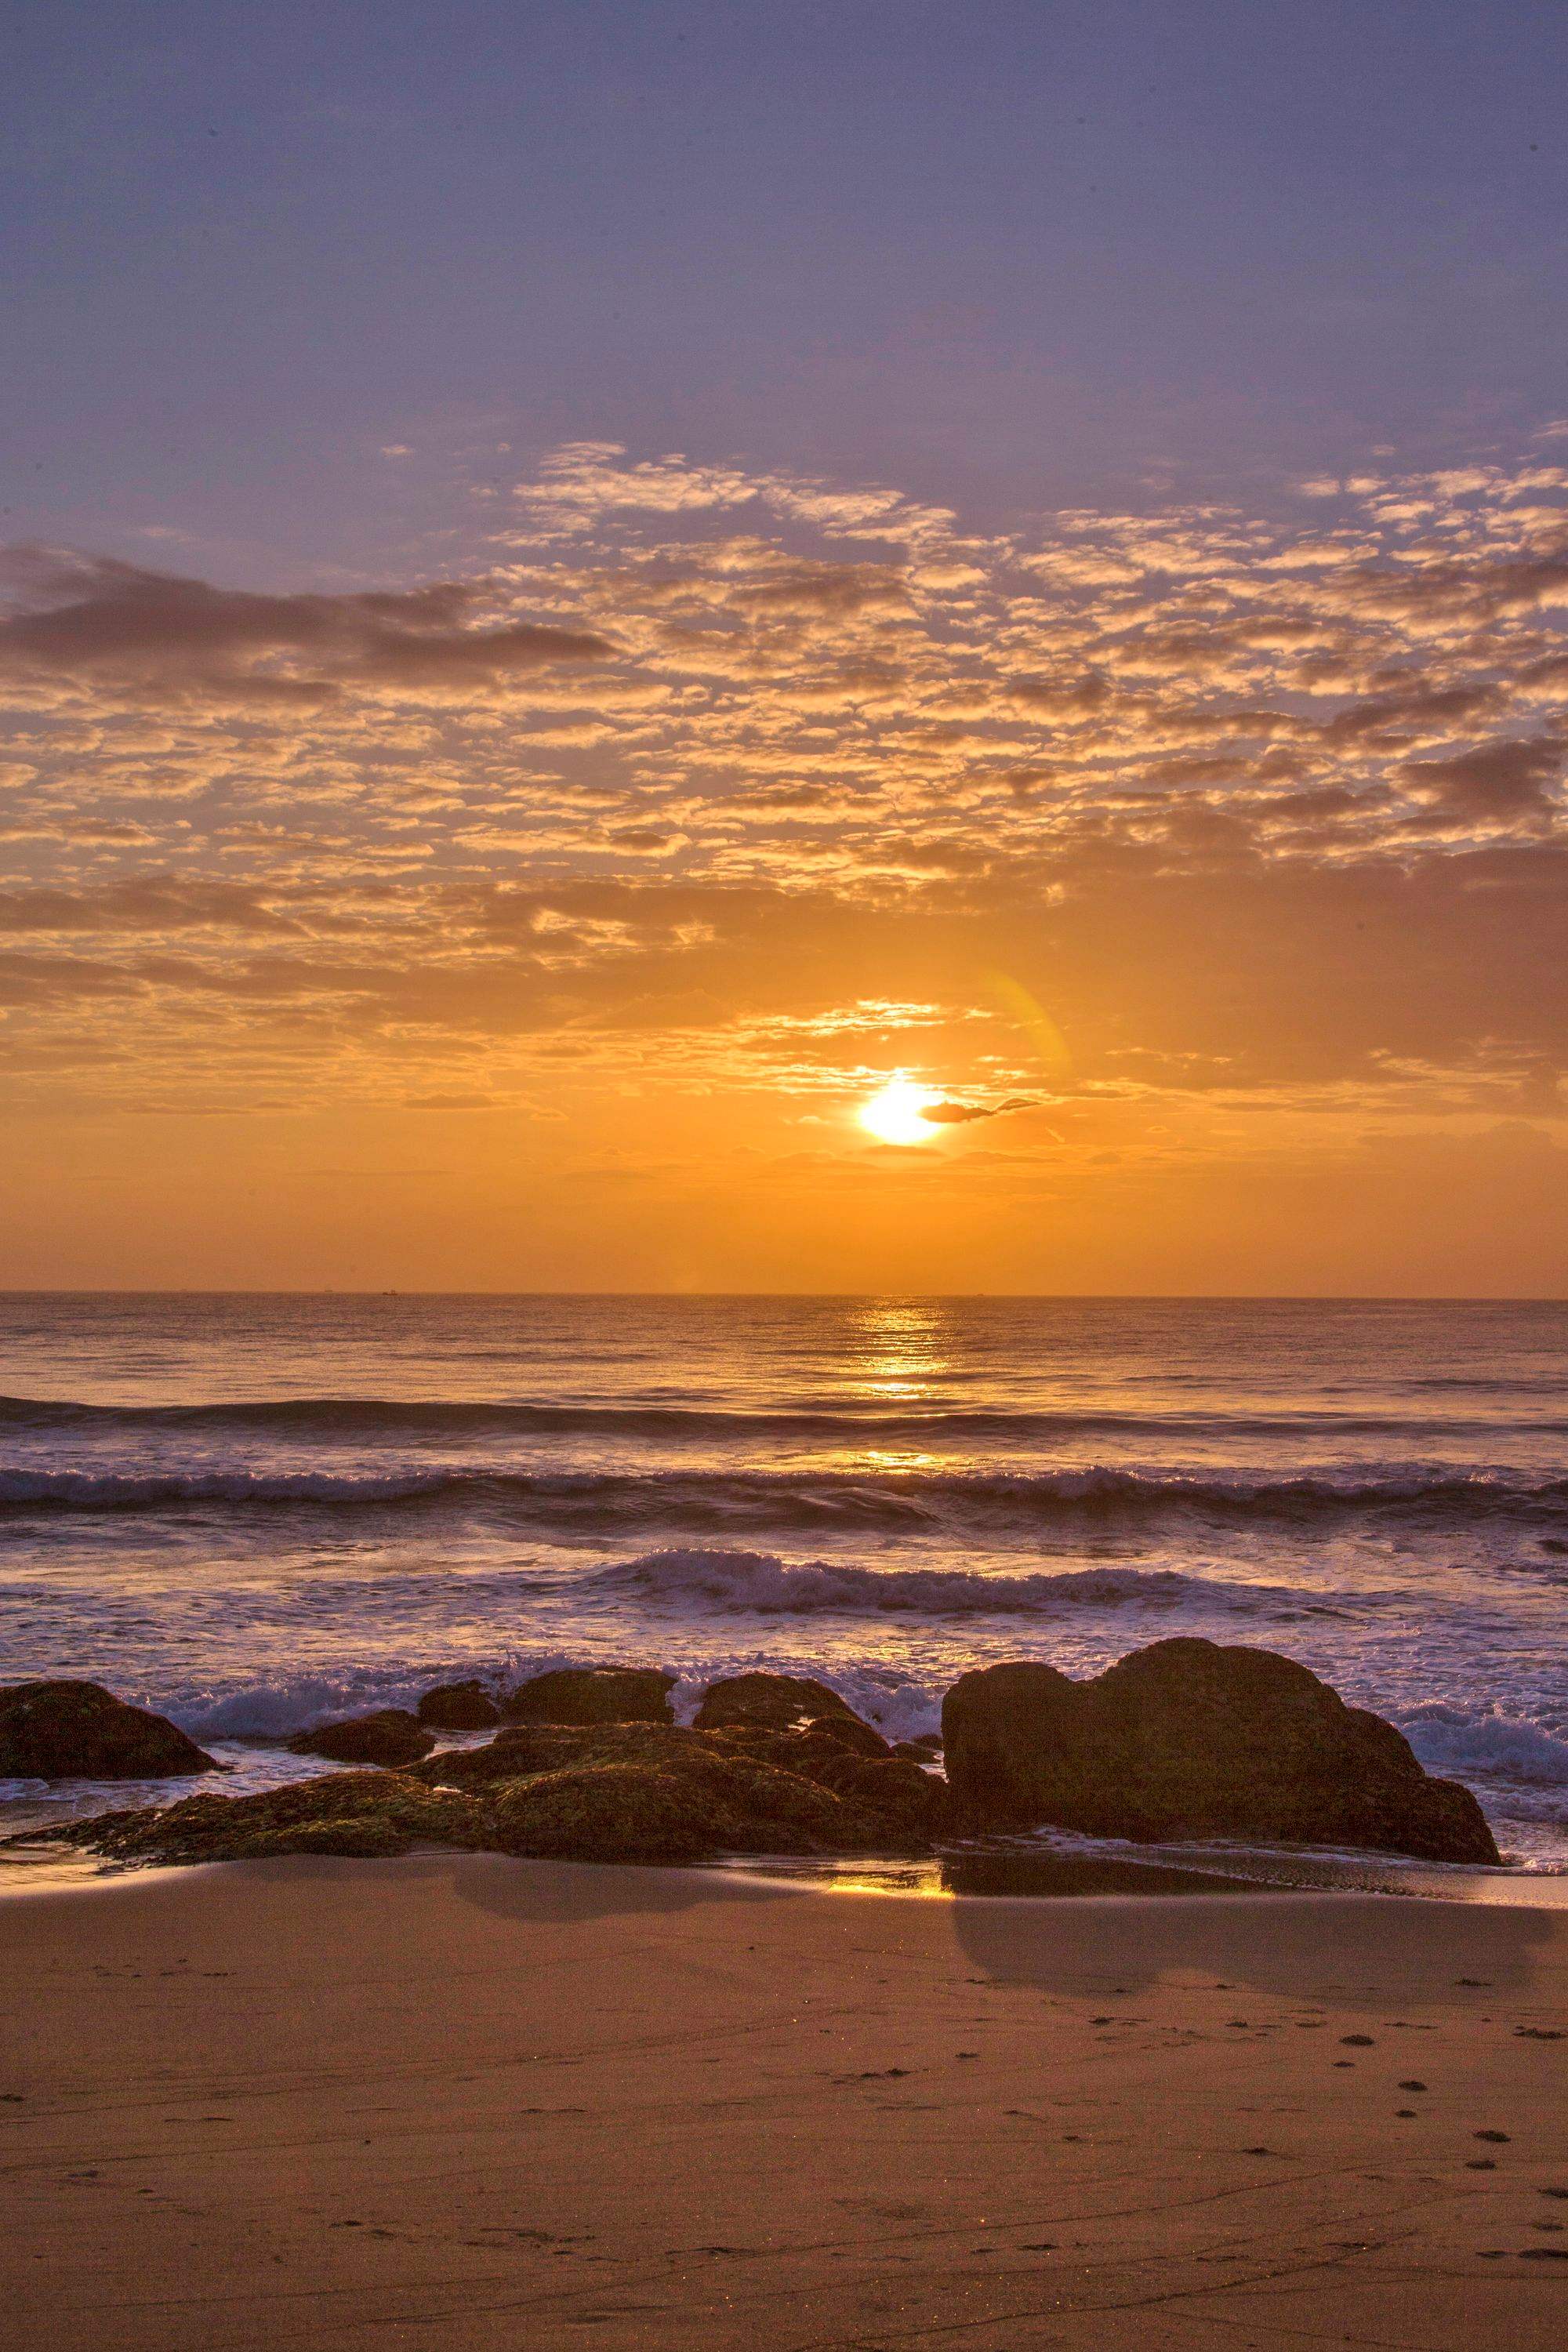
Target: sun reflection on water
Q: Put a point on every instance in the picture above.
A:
(898, 1351)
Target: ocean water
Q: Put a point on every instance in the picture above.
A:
(254, 1511)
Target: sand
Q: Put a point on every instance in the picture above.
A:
(463, 2103)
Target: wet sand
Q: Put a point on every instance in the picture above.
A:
(475, 2103)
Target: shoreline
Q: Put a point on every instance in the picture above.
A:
(877, 1877)
(477, 2102)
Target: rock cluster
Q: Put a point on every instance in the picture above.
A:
(612, 1792)
(1183, 1740)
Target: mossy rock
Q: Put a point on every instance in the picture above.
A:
(610, 1813)
(361, 1813)
(585, 1695)
(772, 1702)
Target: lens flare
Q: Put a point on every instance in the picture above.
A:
(897, 1115)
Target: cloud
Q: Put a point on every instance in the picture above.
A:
(958, 1114)
(95, 619)
(705, 760)
(1503, 784)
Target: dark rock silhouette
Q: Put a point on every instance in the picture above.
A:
(61, 1730)
(459, 1707)
(1188, 1739)
(593, 1694)
(389, 1736)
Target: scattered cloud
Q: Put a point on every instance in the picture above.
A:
(720, 777)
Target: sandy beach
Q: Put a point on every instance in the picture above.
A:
(469, 2102)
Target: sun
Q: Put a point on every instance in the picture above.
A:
(897, 1115)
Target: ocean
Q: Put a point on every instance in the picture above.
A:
(256, 1511)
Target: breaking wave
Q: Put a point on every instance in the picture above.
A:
(606, 1501)
(373, 1418)
(1486, 1746)
(757, 1581)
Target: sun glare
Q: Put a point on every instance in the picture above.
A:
(897, 1115)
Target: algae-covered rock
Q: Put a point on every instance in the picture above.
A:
(64, 1730)
(593, 1694)
(611, 1812)
(774, 1701)
(687, 1806)
(776, 1779)
(909, 1803)
(389, 1736)
(358, 1813)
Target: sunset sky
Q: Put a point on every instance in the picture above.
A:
(587, 585)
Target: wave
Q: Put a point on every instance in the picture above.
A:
(760, 1583)
(1486, 1746)
(369, 1419)
(1479, 1744)
(595, 1501)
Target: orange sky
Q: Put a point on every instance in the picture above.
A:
(543, 921)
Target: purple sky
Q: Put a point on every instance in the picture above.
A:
(1011, 256)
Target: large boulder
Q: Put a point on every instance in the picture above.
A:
(64, 1730)
(459, 1707)
(593, 1694)
(389, 1736)
(777, 1702)
(1188, 1739)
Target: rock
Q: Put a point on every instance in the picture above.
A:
(389, 1736)
(925, 1749)
(850, 1731)
(459, 1707)
(512, 1755)
(61, 1730)
(592, 1792)
(609, 1812)
(901, 1803)
(356, 1813)
(1189, 1740)
(593, 1694)
(778, 1702)
(677, 1806)
(800, 1789)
